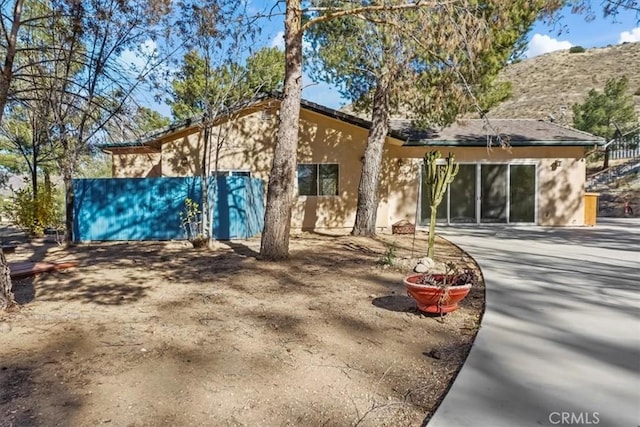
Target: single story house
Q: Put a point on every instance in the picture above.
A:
(539, 178)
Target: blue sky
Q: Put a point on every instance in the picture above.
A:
(572, 30)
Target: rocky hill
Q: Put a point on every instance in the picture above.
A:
(550, 84)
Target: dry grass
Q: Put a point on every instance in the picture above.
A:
(549, 83)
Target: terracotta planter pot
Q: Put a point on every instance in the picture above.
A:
(429, 297)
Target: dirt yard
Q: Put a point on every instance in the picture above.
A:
(612, 198)
(150, 334)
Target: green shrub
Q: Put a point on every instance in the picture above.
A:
(389, 257)
(190, 218)
(35, 215)
(576, 49)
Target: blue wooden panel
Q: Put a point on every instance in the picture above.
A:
(149, 208)
(255, 211)
(229, 208)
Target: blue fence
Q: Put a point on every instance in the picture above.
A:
(149, 208)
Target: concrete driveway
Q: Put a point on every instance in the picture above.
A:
(560, 340)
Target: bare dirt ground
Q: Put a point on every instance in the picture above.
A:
(149, 334)
(612, 198)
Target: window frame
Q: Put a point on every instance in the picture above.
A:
(231, 172)
(318, 180)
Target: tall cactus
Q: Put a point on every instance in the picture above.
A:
(437, 177)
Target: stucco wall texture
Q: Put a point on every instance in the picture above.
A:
(246, 143)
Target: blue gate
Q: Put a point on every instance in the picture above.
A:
(149, 208)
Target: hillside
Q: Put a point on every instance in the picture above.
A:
(552, 83)
(613, 196)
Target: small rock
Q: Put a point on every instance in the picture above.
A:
(434, 354)
(421, 268)
(428, 262)
(5, 327)
(439, 267)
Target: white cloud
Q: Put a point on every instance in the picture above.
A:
(278, 40)
(137, 60)
(630, 36)
(541, 43)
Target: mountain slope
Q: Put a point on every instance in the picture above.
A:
(550, 84)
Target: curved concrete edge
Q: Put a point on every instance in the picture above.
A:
(559, 342)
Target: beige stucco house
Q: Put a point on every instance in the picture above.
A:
(538, 179)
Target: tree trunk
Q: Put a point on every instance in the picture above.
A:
(366, 213)
(34, 171)
(607, 154)
(7, 300)
(34, 185)
(47, 181)
(220, 140)
(9, 55)
(4, 93)
(277, 217)
(68, 202)
(205, 211)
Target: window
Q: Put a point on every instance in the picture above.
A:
(231, 173)
(318, 179)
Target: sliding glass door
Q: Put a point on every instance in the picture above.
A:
(462, 191)
(522, 193)
(486, 193)
(493, 188)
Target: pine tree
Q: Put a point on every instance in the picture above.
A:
(609, 114)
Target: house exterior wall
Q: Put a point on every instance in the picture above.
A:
(132, 164)
(249, 141)
(245, 144)
(326, 140)
(560, 194)
(248, 145)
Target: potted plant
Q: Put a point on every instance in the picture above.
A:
(440, 292)
(192, 225)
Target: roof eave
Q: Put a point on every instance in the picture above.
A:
(483, 143)
(138, 148)
(189, 123)
(338, 115)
